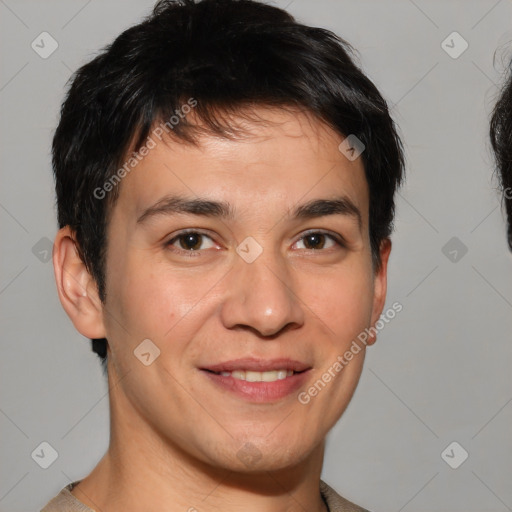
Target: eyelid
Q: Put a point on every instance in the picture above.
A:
(186, 231)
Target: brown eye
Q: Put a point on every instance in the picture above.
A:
(191, 241)
(318, 241)
(314, 241)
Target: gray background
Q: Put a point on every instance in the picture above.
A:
(440, 372)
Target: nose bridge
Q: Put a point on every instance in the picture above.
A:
(261, 292)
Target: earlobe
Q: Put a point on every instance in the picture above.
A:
(380, 287)
(76, 287)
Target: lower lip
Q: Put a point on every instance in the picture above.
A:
(260, 392)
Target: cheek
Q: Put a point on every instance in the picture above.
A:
(155, 302)
(343, 302)
(151, 304)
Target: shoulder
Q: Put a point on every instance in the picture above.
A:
(66, 502)
(337, 503)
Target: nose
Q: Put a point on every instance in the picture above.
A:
(261, 296)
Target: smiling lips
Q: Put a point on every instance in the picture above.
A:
(257, 379)
(258, 365)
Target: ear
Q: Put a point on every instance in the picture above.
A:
(380, 287)
(77, 289)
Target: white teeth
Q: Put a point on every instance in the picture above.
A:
(251, 376)
(256, 376)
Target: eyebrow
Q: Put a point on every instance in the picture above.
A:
(171, 205)
(324, 207)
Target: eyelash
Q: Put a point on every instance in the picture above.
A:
(336, 238)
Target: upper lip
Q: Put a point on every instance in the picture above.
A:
(258, 365)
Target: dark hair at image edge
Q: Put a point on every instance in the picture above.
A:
(501, 141)
(228, 56)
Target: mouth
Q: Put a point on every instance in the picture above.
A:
(258, 380)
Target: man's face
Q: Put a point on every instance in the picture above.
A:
(305, 297)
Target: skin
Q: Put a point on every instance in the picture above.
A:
(175, 435)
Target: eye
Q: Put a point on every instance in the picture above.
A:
(317, 240)
(191, 241)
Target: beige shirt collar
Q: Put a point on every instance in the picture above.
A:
(67, 502)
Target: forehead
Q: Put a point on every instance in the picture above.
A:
(275, 159)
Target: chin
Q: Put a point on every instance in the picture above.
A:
(260, 455)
